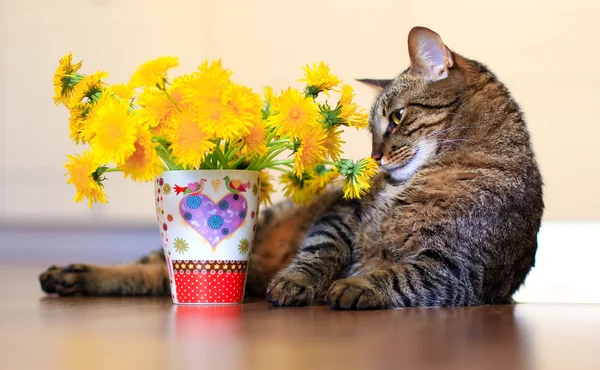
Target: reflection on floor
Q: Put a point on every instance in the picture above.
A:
(42, 332)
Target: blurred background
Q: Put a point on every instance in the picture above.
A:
(544, 51)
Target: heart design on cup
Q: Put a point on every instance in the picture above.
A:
(215, 221)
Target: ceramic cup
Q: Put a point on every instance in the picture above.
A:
(207, 221)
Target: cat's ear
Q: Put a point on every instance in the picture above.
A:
(378, 84)
(429, 57)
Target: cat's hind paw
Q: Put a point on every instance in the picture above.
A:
(292, 289)
(354, 293)
(65, 281)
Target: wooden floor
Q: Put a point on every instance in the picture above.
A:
(42, 332)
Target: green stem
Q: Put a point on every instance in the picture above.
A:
(232, 153)
(252, 164)
(280, 169)
(160, 139)
(271, 134)
(221, 156)
(163, 153)
(239, 161)
(284, 162)
(267, 157)
(276, 152)
(226, 148)
(113, 170)
(277, 142)
(287, 162)
(207, 165)
(131, 109)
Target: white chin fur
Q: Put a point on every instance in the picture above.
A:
(425, 151)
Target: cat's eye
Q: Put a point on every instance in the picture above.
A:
(396, 116)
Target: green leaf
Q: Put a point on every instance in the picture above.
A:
(312, 91)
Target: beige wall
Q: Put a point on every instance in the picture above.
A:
(545, 51)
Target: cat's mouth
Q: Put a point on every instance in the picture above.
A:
(388, 166)
(408, 167)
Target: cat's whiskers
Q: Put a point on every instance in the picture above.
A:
(446, 142)
(451, 129)
(452, 144)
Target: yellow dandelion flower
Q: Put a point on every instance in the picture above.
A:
(89, 88)
(319, 77)
(214, 72)
(346, 95)
(333, 144)
(155, 109)
(244, 102)
(311, 150)
(190, 142)
(154, 72)
(83, 112)
(350, 113)
(266, 187)
(296, 189)
(358, 176)
(268, 94)
(113, 130)
(208, 83)
(83, 171)
(177, 89)
(78, 115)
(254, 143)
(321, 179)
(64, 80)
(218, 119)
(122, 91)
(294, 113)
(144, 164)
(354, 116)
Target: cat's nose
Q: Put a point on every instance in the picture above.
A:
(376, 155)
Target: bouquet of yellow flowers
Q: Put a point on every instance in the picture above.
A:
(205, 120)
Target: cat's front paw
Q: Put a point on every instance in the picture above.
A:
(65, 281)
(355, 293)
(291, 289)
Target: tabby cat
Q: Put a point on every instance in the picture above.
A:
(452, 217)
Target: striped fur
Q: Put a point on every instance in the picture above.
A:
(323, 257)
(452, 218)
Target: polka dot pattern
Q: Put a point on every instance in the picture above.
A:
(211, 218)
(209, 281)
